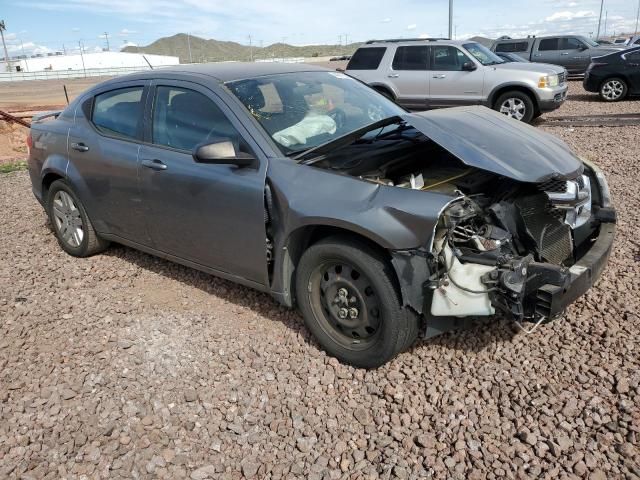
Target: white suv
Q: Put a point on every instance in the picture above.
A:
(431, 73)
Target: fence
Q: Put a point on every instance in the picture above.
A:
(58, 74)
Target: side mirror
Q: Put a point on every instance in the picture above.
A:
(222, 152)
(468, 67)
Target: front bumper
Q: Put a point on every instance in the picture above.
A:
(551, 299)
(553, 98)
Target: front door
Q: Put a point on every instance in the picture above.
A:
(576, 54)
(103, 159)
(450, 84)
(548, 51)
(408, 76)
(212, 215)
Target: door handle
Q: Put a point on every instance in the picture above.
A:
(564, 53)
(537, 54)
(154, 164)
(441, 75)
(393, 75)
(80, 147)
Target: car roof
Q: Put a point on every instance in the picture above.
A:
(413, 41)
(227, 71)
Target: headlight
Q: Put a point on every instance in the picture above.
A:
(548, 81)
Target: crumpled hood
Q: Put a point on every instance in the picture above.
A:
(488, 140)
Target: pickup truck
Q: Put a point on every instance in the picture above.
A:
(572, 52)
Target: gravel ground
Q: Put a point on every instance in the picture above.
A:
(126, 366)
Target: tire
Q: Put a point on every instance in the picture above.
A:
(613, 90)
(63, 207)
(517, 105)
(382, 327)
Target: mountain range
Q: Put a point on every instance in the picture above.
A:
(203, 50)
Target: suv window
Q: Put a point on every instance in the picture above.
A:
(411, 58)
(366, 58)
(548, 44)
(185, 118)
(447, 58)
(512, 47)
(117, 112)
(571, 44)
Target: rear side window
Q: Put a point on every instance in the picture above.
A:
(117, 112)
(548, 44)
(411, 58)
(184, 118)
(366, 58)
(512, 47)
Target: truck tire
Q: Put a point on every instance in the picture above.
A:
(517, 105)
(346, 293)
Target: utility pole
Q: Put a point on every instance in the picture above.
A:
(340, 40)
(451, 18)
(189, 47)
(606, 14)
(106, 37)
(346, 36)
(26, 65)
(82, 57)
(637, 17)
(250, 49)
(4, 45)
(600, 19)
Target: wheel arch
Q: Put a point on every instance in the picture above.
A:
(517, 87)
(300, 240)
(381, 87)
(47, 179)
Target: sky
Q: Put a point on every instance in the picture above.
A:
(41, 26)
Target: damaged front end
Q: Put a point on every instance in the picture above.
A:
(520, 254)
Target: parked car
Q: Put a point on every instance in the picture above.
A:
(573, 52)
(633, 41)
(614, 76)
(511, 57)
(432, 73)
(309, 185)
(620, 41)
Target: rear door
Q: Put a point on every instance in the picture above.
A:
(632, 69)
(449, 83)
(103, 153)
(212, 215)
(408, 75)
(547, 50)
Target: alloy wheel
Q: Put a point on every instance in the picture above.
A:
(514, 108)
(346, 304)
(67, 218)
(612, 90)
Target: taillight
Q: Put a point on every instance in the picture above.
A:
(29, 141)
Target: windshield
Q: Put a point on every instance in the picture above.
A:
(589, 42)
(300, 111)
(482, 54)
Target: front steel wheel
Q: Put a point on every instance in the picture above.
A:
(613, 90)
(347, 293)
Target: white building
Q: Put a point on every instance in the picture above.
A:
(88, 61)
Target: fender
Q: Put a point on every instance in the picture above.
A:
(504, 86)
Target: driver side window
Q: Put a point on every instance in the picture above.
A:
(184, 118)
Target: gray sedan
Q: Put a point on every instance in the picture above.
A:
(305, 183)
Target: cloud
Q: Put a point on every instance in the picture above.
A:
(568, 16)
(385, 20)
(413, 26)
(125, 32)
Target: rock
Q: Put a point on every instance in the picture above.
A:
(362, 415)
(528, 437)
(190, 395)
(67, 394)
(305, 444)
(249, 466)
(204, 473)
(564, 442)
(622, 385)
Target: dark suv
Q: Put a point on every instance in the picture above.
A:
(307, 184)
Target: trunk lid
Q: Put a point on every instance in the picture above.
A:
(482, 138)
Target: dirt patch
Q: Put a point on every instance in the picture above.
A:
(13, 147)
